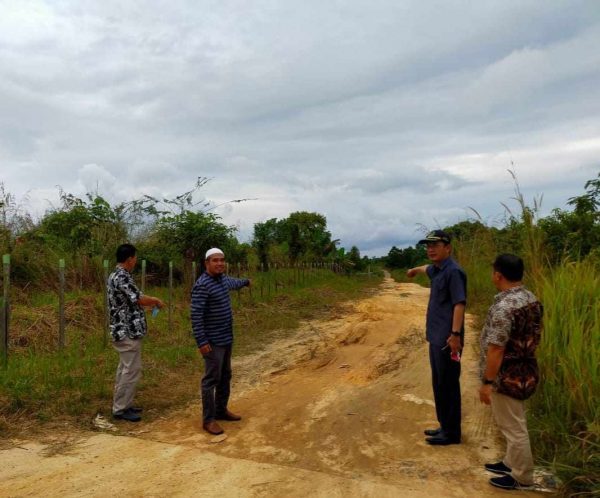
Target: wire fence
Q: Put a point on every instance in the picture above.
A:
(267, 281)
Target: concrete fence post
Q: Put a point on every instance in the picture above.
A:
(61, 304)
(170, 311)
(5, 312)
(143, 286)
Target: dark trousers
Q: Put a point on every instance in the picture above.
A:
(445, 376)
(216, 382)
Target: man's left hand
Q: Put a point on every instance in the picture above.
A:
(485, 394)
(454, 342)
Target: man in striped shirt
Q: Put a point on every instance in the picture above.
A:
(212, 324)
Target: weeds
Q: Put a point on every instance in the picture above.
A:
(564, 413)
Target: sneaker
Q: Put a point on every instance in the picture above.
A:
(498, 468)
(508, 482)
(127, 415)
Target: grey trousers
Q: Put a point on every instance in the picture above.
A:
(215, 387)
(129, 373)
(509, 414)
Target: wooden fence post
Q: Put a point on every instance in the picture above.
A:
(4, 326)
(61, 304)
(239, 291)
(262, 278)
(252, 282)
(193, 273)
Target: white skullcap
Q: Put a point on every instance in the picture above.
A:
(214, 250)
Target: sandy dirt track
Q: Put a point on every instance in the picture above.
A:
(337, 410)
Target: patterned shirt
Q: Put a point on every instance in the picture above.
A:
(212, 318)
(127, 318)
(514, 322)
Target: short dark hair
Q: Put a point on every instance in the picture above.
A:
(124, 252)
(510, 266)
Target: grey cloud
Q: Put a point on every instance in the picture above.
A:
(407, 178)
(361, 113)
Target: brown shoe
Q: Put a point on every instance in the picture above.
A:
(232, 417)
(212, 428)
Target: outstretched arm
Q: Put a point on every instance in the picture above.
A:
(133, 294)
(150, 301)
(236, 283)
(416, 271)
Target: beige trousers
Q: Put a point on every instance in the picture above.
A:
(509, 414)
(129, 373)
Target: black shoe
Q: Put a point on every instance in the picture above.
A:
(498, 468)
(432, 432)
(135, 409)
(442, 440)
(508, 482)
(127, 415)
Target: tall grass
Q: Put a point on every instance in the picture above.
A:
(565, 412)
(476, 256)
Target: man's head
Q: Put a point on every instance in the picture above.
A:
(508, 271)
(215, 261)
(438, 246)
(126, 256)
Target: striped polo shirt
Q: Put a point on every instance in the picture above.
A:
(212, 318)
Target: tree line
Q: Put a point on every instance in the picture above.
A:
(566, 234)
(87, 230)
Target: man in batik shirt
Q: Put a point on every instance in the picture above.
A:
(509, 370)
(127, 328)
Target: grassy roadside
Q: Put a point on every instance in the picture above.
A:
(564, 413)
(42, 385)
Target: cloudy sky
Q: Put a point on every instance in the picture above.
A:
(381, 115)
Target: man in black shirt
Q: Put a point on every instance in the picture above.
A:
(445, 334)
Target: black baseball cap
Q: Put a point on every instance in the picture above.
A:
(436, 236)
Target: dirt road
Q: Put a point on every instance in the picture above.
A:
(337, 410)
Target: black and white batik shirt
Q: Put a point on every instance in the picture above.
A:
(127, 318)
